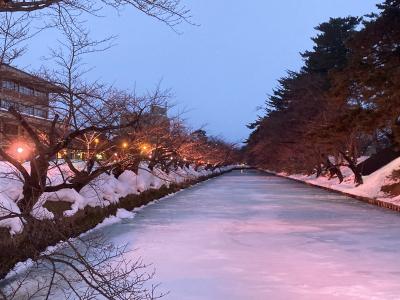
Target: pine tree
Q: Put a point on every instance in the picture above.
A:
(374, 68)
(330, 50)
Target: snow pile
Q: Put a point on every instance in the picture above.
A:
(8, 208)
(373, 183)
(371, 187)
(101, 192)
(10, 193)
(121, 214)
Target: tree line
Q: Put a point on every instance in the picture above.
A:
(343, 102)
(112, 129)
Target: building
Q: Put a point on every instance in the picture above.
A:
(28, 94)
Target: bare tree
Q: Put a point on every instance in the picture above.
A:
(83, 268)
(14, 32)
(171, 12)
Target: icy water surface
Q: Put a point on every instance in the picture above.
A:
(252, 236)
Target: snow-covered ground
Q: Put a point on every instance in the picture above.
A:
(370, 189)
(246, 235)
(101, 192)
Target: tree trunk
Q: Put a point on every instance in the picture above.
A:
(34, 187)
(334, 170)
(357, 174)
(319, 170)
(354, 168)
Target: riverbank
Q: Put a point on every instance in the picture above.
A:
(37, 235)
(373, 191)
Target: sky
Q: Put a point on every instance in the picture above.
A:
(222, 69)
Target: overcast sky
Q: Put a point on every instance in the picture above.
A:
(221, 70)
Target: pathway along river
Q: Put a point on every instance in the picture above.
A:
(247, 235)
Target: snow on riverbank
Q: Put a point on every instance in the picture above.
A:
(101, 192)
(370, 189)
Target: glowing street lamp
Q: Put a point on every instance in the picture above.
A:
(20, 153)
(96, 140)
(125, 145)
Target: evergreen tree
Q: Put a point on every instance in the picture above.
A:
(374, 68)
(330, 50)
(300, 105)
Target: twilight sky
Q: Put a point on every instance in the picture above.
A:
(220, 71)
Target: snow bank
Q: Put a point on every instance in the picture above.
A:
(10, 193)
(101, 192)
(8, 207)
(370, 189)
(120, 215)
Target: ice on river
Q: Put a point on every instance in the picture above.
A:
(247, 235)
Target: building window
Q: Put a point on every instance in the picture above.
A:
(26, 91)
(40, 94)
(40, 113)
(25, 109)
(10, 129)
(6, 104)
(10, 85)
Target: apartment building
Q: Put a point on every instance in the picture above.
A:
(28, 94)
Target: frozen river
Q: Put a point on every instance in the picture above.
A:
(247, 235)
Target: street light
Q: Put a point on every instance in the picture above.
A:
(125, 145)
(20, 150)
